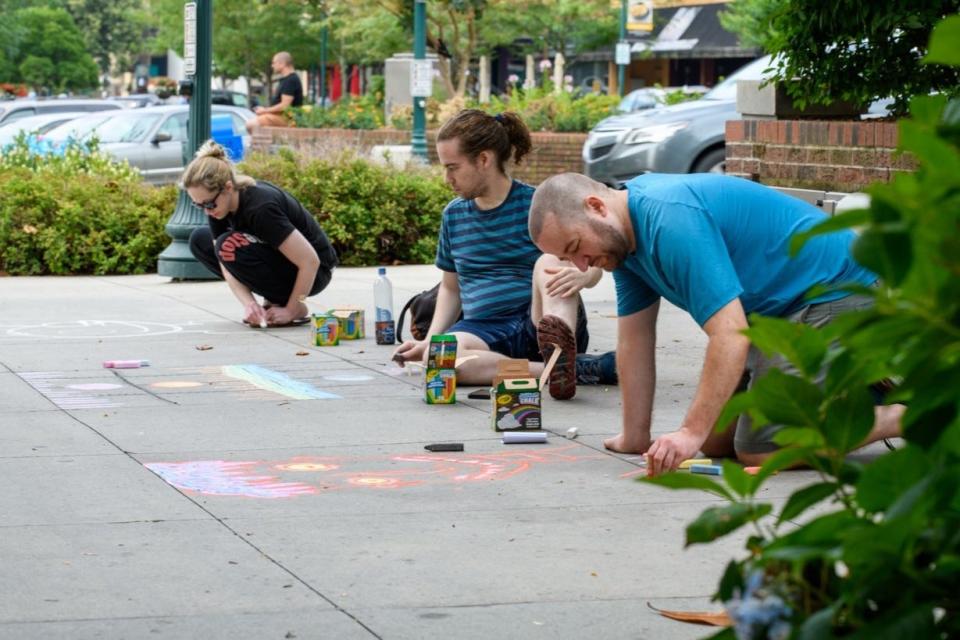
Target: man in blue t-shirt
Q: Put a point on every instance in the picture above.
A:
(717, 247)
(516, 301)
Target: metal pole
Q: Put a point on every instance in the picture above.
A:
(176, 261)
(621, 69)
(418, 139)
(323, 61)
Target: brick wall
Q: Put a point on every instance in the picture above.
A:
(552, 152)
(812, 154)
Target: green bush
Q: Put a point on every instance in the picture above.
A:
(543, 110)
(364, 112)
(373, 214)
(881, 556)
(78, 214)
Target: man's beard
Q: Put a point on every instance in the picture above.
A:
(614, 244)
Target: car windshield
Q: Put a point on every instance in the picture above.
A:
(727, 90)
(132, 127)
(76, 129)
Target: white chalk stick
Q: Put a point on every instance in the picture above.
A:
(524, 437)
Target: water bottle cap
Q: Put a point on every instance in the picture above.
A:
(381, 271)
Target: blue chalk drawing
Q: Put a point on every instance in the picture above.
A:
(277, 382)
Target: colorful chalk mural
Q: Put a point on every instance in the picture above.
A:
(305, 475)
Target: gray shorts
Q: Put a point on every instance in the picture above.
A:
(748, 440)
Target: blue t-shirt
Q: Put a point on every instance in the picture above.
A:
(491, 253)
(705, 239)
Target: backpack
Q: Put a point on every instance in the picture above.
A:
(421, 307)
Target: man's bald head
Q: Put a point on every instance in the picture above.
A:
(563, 195)
(283, 59)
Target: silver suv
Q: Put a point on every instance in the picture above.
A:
(682, 138)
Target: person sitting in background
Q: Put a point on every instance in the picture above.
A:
(289, 94)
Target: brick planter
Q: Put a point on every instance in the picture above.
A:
(552, 152)
(812, 154)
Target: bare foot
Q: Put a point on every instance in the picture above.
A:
(621, 444)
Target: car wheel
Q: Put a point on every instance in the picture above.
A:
(712, 162)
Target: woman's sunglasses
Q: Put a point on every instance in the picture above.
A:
(211, 203)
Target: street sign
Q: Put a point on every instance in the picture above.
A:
(421, 78)
(190, 39)
(622, 54)
(640, 15)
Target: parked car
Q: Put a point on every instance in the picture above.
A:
(235, 98)
(32, 125)
(151, 139)
(13, 109)
(682, 138)
(137, 100)
(656, 97)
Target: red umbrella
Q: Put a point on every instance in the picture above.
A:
(355, 81)
(335, 90)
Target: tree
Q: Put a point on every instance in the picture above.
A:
(247, 33)
(113, 29)
(52, 53)
(570, 27)
(848, 49)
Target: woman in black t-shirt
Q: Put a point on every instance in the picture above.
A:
(260, 240)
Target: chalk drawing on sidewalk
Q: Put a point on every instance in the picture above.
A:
(100, 329)
(177, 384)
(103, 329)
(277, 382)
(306, 475)
(52, 385)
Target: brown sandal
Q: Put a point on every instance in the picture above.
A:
(553, 332)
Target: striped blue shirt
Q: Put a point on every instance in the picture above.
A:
(491, 253)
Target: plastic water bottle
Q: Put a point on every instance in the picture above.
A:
(383, 301)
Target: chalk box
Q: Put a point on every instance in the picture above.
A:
(326, 330)
(351, 322)
(516, 394)
(440, 381)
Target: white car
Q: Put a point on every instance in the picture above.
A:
(32, 125)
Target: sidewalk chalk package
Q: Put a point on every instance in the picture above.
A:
(515, 395)
(326, 330)
(351, 322)
(440, 383)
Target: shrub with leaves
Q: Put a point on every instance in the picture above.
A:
(364, 112)
(543, 110)
(880, 557)
(78, 213)
(373, 214)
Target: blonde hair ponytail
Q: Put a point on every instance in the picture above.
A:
(211, 169)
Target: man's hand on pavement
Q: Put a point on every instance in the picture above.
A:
(410, 350)
(621, 444)
(668, 451)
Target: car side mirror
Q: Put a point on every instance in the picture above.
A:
(162, 136)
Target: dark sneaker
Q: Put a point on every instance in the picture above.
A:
(599, 369)
(552, 332)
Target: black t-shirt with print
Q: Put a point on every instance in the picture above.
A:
(289, 86)
(271, 214)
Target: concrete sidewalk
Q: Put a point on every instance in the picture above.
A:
(266, 488)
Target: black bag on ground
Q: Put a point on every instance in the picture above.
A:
(421, 307)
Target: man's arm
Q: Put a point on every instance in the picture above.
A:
(285, 101)
(445, 314)
(636, 368)
(723, 366)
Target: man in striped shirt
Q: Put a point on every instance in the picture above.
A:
(517, 302)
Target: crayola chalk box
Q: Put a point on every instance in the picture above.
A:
(440, 382)
(351, 322)
(516, 397)
(326, 330)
